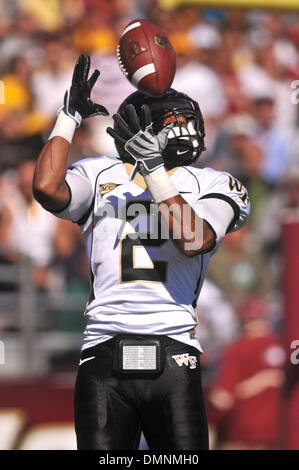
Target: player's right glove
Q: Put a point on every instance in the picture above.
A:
(77, 102)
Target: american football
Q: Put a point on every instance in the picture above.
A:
(146, 57)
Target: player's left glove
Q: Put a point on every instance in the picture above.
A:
(77, 102)
(139, 139)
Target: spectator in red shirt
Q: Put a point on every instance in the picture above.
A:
(244, 400)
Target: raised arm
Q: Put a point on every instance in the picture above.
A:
(49, 186)
(191, 234)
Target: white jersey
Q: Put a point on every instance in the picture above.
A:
(145, 285)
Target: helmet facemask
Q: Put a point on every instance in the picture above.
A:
(185, 141)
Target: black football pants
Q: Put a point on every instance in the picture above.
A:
(111, 411)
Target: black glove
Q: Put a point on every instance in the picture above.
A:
(77, 102)
(139, 140)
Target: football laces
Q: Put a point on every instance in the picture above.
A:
(120, 62)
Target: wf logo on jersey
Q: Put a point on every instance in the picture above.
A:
(189, 361)
(235, 185)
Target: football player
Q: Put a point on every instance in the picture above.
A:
(151, 222)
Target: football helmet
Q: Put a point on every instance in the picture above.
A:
(185, 139)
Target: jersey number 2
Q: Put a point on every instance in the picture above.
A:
(129, 273)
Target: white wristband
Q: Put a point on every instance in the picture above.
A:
(160, 185)
(64, 127)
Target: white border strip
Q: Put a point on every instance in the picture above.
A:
(142, 72)
(131, 26)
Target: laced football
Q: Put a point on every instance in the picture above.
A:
(146, 57)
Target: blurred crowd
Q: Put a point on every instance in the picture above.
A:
(241, 66)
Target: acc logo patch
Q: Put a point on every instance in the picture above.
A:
(107, 187)
(188, 361)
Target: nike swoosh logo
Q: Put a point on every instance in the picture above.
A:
(181, 153)
(85, 360)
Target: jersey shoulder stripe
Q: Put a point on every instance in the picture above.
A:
(91, 167)
(231, 202)
(190, 170)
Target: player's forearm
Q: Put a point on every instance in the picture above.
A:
(190, 233)
(49, 186)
